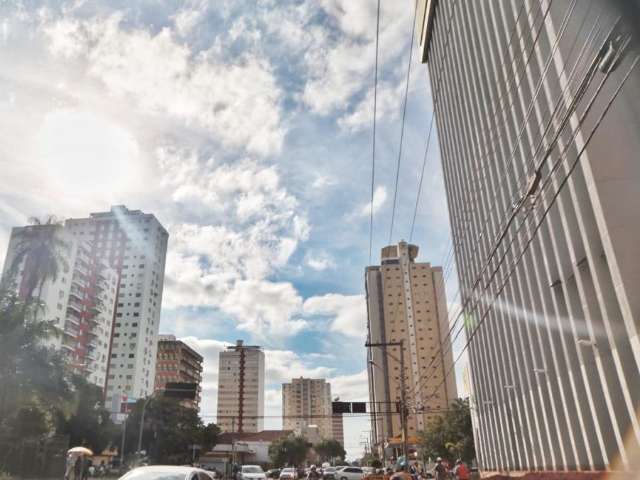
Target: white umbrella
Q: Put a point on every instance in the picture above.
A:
(80, 450)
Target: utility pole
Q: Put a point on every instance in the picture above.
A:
(124, 434)
(403, 390)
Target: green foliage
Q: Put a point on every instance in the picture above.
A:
(40, 250)
(169, 431)
(290, 451)
(328, 449)
(90, 423)
(31, 375)
(369, 460)
(450, 435)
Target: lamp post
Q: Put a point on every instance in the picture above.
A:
(403, 399)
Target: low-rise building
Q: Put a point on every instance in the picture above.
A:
(178, 362)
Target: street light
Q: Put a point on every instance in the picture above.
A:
(403, 399)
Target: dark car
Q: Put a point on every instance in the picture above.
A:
(273, 473)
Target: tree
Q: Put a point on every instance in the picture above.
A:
(170, 429)
(41, 250)
(370, 460)
(30, 373)
(450, 435)
(209, 436)
(90, 423)
(328, 449)
(289, 451)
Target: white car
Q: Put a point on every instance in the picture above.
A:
(166, 472)
(288, 474)
(350, 473)
(252, 472)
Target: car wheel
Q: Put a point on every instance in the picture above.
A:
(344, 478)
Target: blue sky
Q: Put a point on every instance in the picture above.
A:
(246, 129)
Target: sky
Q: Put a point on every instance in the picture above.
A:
(246, 128)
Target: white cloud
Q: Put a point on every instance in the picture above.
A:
(389, 104)
(347, 312)
(264, 308)
(343, 66)
(254, 226)
(239, 103)
(379, 197)
(283, 365)
(319, 261)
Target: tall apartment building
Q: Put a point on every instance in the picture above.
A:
(135, 245)
(178, 362)
(536, 104)
(305, 402)
(406, 302)
(80, 299)
(338, 428)
(241, 389)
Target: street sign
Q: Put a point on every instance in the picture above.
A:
(341, 407)
(348, 407)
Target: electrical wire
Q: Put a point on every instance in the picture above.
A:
(373, 148)
(556, 165)
(510, 165)
(581, 89)
(404, 115)
(544, 214)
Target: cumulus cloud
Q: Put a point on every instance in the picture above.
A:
(347, 313)
(319, 261)
(343, 66)
(253, 227)
(379, 198)
(237, 102)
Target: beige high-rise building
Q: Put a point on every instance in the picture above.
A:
(406, 301)
(241, 389)
(307, 402)
(338, 428)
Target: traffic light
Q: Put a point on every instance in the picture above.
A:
(185, 391)
(341, 407)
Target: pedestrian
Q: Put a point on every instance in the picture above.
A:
(440, 471)
(313, 473)
(77, 468)
(68, 471)
(86, 465)
(460, 471)
(400, 474)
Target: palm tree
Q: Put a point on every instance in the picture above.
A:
(42, 252)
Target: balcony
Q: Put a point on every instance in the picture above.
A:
(75, 305)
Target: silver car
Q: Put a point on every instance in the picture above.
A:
(166, 472)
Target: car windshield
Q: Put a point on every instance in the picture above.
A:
(251, 469)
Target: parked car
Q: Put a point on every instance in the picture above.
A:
(288, 474)
(251, 472)
(350, 473)
(273, 473)
(329, 473)
(166, 472)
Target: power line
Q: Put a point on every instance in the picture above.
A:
(544, 214)
(373, 148)
(510, 165)
(579, 93)
(424, 164)
(404, 114)
(556, 165)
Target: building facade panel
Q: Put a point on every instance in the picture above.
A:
(545, 267)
